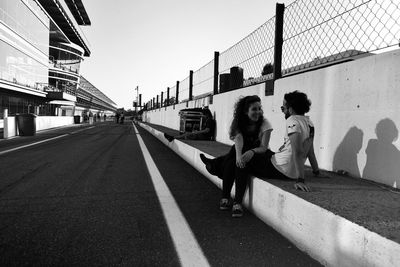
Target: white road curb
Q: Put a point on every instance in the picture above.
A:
(328, 238)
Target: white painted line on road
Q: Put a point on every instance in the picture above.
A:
(40, 142)
(33, 144)
(189, 251)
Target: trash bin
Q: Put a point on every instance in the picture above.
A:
(190, 120)
(224, 82)
(26, 124)
(77, 119)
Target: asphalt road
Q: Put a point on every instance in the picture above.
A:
(86, 198)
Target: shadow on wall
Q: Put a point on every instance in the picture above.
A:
(346, 154)
(383, 158)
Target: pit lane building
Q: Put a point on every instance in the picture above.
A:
(41, 49)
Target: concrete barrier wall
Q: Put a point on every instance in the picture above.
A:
(355, 111)
(169, 117)
(166, 116)
(10, 127)
(47, 122)
(42, 123)
(328, 238)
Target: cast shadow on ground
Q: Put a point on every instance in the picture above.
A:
(345, 158)
(383, 157)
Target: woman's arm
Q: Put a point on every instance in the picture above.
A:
(238, 147)
(266, 136)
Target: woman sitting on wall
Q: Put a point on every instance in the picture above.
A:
(251, 133)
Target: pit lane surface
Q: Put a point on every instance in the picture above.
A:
(87, 199)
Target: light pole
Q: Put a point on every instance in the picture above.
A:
(137, 99)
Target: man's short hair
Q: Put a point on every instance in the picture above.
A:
(298, 101)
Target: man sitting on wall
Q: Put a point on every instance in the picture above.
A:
(206, 133)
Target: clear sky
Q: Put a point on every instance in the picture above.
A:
(154, 43)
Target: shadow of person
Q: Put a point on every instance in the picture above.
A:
(383, 158)
(345, 157)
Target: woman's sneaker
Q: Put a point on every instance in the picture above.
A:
(224, 204)
(237, 210)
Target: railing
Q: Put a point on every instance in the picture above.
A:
(53, 63)
(304, 35)
(10, 76)
(50, 88)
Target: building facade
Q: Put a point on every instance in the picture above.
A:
(41, 49)
(24, 54)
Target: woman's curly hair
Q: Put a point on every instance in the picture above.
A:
(240, 119)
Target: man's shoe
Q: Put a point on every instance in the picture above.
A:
(224, 204)
(237, 210)
(170, 138)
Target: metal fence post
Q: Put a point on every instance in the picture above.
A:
(167, 96)
(177, 93)
(216, 71)
(280, 9)
(140, 100)
(162, 99)
(158, 103)
(277, 68)
(190, 85)
(154, 103)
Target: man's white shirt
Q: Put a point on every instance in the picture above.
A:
(283, 160)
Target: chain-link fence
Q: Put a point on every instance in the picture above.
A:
(253, 55)
(315, 33)
(324, 31)
(203, 79)
(184, 90)
(163, 96)
(172, 95)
